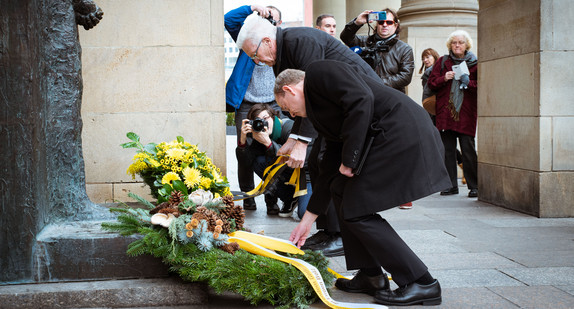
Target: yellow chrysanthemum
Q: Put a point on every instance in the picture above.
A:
(169, 177)
(176, 153)
(216, 175)
(205, 183)
(192, 176)
(154, 163)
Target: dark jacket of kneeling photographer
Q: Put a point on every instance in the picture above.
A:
(261, 136)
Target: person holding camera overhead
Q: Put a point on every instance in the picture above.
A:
(262, 134)
(250, 83)
(392, 59)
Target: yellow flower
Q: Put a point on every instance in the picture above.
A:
(205, 183)
(176, 153)
(192, 176)
(169, 177)
(154, 163)
(216, 175)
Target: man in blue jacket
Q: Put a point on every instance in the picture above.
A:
(249, 84)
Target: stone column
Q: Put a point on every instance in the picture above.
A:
(334, 7)
(525, 140)
(355, 7)
(427, 24)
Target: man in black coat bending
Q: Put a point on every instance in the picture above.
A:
(296, 48)
(382, 150)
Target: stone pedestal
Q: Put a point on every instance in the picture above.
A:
(525, 140)
(427, 24)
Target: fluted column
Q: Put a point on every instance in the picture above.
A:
(333, 7)
(427, 24)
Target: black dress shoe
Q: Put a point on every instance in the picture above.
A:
(451, 191)
(272, 210)
(412, 294)
(249, 204)
(473, 193)
(364, 284)
(333, 246)
(315, 239)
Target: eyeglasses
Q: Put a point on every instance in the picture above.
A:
(257, 62)
(458, 42)
(388, 22)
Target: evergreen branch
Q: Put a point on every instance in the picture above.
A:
(141, 200)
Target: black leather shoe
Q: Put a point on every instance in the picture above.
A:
(272, 210)
(451, 191)
(288, 207)
(412, 294)
(317, 238)
(473, 193)
(363, 284)
(249, 204)
(331, 247)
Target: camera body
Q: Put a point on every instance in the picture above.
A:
(258, 124)
(270, 19)
(370, 53)
(380, 15)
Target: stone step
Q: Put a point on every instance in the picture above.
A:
(80, 251)
(132, 293)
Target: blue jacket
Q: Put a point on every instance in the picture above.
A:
(241, 75)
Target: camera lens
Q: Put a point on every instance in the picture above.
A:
(258, 124)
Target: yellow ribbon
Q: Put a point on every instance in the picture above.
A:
(260, 245)
(268, 176)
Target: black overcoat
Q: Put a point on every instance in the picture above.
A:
(406, 159)
(298, 47)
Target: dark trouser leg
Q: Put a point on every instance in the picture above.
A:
(371, 242)
(244, 167)
(328, 221)
(469, 160)
(449, 141)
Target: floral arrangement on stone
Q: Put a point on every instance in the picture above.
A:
(190, 233)
(177, 164)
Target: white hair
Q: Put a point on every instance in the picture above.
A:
(254, 29)
(461, 33)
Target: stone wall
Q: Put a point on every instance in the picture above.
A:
(526, 119)
(154, 68)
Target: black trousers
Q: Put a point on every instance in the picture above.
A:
(370, 241)
(469, 157)
(328, 221)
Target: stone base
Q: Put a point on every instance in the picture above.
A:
(164, 292)
(80, 251)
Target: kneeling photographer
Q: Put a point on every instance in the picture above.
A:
(261, 136)
(391, 58)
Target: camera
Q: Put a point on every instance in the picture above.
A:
(258, 124)
(370, 53)
(271, 20)
(381, 15)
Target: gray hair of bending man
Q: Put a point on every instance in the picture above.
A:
(287, 78)
(254, 29)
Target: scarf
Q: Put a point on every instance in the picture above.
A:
(456, 94)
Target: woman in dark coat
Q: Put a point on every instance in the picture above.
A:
(382, 150)
(456, 109)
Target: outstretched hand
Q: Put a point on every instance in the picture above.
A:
(301, 231)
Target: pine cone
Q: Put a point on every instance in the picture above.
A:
(158, 208)
(175, 198)
(226, 226)
(211, 217)
(230, 247)
(228, 200)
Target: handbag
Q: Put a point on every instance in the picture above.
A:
(429, 104)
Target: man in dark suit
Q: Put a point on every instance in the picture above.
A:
(381, 151)
(296, 48)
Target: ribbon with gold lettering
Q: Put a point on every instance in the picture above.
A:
(263, 245)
